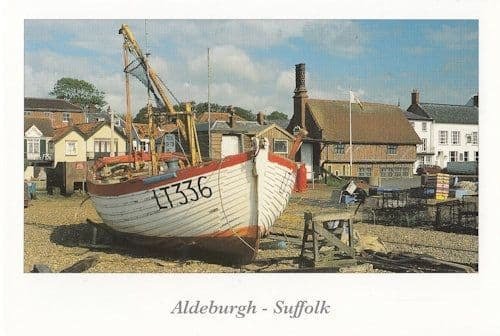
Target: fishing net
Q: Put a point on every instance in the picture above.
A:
(137, 68)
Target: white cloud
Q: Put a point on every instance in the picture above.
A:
(242, 33)
(286, 81)
(342, 38)
(229, 62)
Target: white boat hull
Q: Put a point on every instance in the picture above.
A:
(228, 204)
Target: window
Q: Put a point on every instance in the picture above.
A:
(338, 149)
(33, 146)
(475, 138)
(440, 153)
(412, 124)
(460, 156)
(455, 137)
(424, 145)
(280, 146)
(443, 137)
(466, 156)
(71, 148)
(27, 113)
(365, 171)
(424, 126)
(102, 146)
(386, 172)
(66, 116)
(392, 149)
(476, 156)
(468, 138)
(453, 156)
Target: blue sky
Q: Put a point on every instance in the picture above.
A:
(253, 60)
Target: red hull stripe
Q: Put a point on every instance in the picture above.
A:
(283, 161)
(135, 185)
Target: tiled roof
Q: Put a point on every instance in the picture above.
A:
(47, 104)
(247, 127)
(61, 132)
(43, 124)
(413, 116)
(375, 123)
(220, 116)
(451, 114)
(241, 127)
(86, 130)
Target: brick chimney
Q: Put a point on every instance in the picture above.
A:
(260, 118)
(475, 100)
(232, 119)
(415, 97)
(300, 96)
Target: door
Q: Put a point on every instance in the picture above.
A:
(230, 145)
(306, 156)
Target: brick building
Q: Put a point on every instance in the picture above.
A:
(59, 111)
(383, 141)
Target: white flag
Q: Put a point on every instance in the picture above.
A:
(355, 99)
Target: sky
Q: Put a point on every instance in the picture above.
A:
(252, 62)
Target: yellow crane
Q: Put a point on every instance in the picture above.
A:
(184, 119)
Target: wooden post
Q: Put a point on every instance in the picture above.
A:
(315, 242)
(351, 243)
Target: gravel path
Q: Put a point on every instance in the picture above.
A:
(56, 234)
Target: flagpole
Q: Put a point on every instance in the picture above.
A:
(350, 133)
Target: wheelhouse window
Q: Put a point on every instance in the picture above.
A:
(280, 146)
(392, 149)
(71, 148)
(443, 137)
(338, 148)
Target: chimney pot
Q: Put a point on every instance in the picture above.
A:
(232, 119)
(260, 118)
(415, 97)
(300, 78)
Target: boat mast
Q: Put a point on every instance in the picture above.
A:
(128, 114)
(208, 98)
(151, 126)
(185, 120)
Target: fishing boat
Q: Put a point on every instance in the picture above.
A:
(170, 200)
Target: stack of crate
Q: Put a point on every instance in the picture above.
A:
(440, 183)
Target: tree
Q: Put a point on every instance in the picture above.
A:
(78, 92)
(275, 115)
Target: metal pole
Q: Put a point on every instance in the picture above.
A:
(112, 139)
(209, 133)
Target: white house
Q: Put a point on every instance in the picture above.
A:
(448, 132)
(37, 135)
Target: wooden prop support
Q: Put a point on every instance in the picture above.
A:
(316, 231)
